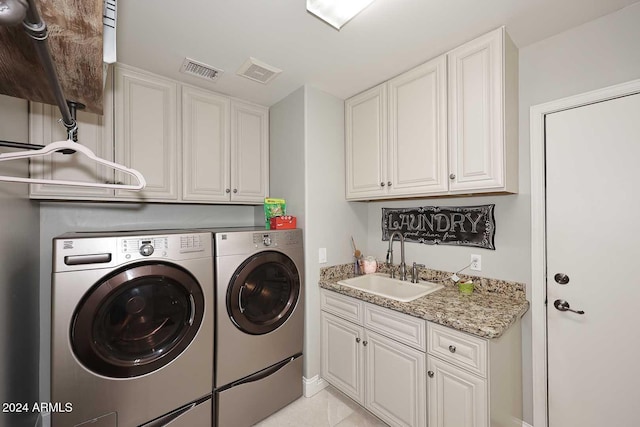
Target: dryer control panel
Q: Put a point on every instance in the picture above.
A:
(275, 239)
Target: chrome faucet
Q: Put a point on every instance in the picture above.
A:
(403, 267)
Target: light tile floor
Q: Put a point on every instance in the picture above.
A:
(328, 408)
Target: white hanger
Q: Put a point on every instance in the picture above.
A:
(70, 145)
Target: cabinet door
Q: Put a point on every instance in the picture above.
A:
(476, 114)
(396, 381)
(418, 130)
(342, 360)
(146, 132)
(249, 152)
(205, 142)
(94, 132)
(456, 397)
(366, 144)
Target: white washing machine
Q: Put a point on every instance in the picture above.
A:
(132, 329)
(259, 323)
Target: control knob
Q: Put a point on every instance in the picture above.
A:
(146, 250)
(266, 240)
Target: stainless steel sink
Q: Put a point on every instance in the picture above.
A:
(384, 286)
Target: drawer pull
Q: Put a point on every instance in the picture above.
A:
(452, 348)
(430, 374)
(357, 340)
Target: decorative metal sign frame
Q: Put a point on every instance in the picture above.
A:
(442, 225)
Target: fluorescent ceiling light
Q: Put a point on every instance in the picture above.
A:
(337, 12)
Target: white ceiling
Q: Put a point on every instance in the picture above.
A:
(386, 39)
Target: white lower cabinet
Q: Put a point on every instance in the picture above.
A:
(456, 397)
(473, 381)
(342, 363)
(384, 375)
(395, 386)
(410, 372)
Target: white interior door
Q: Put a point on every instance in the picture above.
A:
(593, 207)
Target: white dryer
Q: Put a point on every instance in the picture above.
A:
(132, 329)
(259, 323)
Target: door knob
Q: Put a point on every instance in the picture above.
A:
(561, 278)
(452, 348)
(562, 305)
(357, 340)
(430, 374)
(364, 343)
(452, 176)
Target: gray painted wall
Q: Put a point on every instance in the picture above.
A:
(597, 54)
(307, 169)
(331, 220)
(62, 217)
(19, 263)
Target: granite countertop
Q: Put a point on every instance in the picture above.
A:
(493, 307)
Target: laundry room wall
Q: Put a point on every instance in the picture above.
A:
(307, 168)
(61, 217)
(597, 54)
(19, 263)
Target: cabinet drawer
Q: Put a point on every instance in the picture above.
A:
(343, 306)
(401, 327)
(458, 348)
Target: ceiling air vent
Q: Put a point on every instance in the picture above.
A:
(198, 69)
(258, 71)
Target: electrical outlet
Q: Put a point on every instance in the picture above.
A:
(476, 262)
(322, 255)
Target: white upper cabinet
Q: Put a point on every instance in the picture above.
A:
(431, 132)
(94, 131)
(191, 145)
(146, 135)
(483, 122)
(418, 130)
(249, 152)
(205, 139)
(366, 143)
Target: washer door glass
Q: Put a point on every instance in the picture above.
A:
(263, 292)
(137, 320)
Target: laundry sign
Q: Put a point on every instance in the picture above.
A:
(442, 225)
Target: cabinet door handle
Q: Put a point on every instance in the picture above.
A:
(430, 374)
(358, 340)
(452, 176)
(228, 190)
(452, 348)
(235, 190)
(389, 183)
(364, 343)
(382, 184)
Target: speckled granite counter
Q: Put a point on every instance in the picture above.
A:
(488, 312)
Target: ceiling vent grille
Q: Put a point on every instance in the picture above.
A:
(258, 71)
(198, 69)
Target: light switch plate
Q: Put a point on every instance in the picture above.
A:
(322, 255)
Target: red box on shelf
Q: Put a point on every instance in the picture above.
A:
(282, 222)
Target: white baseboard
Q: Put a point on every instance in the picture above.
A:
(525, 424)
(44, 420)
(313, 385)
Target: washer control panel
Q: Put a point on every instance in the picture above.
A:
(145, 246)
(161, 246)
(101, 251)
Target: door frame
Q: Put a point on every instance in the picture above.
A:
(538, 231)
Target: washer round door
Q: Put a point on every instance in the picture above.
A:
(137, 320)
(263, 292)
